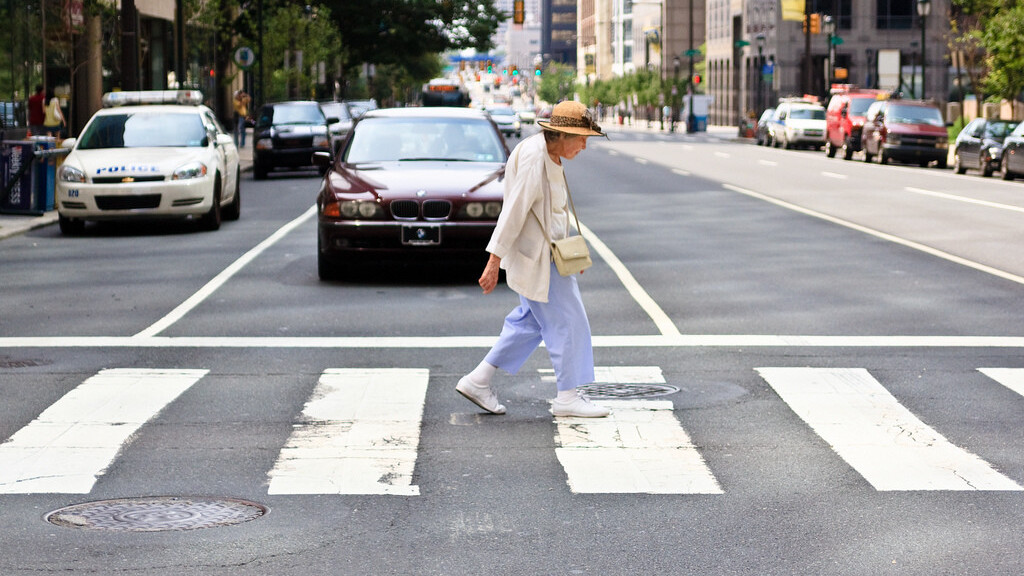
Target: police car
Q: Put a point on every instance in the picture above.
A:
(152, 154)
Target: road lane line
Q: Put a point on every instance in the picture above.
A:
(640, 160)
(75, 440)
(1012, 378)
(768, 162)
(639, 449)
(459, 342)
(359, 434)
(835, 175)
(878, 234)
(883, 441)
(965, 199)
(681, 172)
(225, 275)
(660, 318)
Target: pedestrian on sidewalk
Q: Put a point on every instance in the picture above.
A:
(550, 310)
(241, 104)
(37, 111)
(53, 122)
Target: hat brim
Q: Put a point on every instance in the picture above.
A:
(578, 131)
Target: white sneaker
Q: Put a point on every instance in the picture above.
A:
(482, 396)
(579, 407)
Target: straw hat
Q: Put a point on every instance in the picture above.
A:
(572, 117)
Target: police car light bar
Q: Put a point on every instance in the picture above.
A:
(130, 98)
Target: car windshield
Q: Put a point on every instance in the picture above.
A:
(336, 110)
(389, 139)
(291, 114)
(143, 130)
(914, 115)
(807, 114)
(501, 112)
(999, 130)
(858, 106)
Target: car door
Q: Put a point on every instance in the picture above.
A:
(968, 143)
(873, 125)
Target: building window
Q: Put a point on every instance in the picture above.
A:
(895, 14)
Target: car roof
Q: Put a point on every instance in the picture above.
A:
(426, 112)
(162, 108)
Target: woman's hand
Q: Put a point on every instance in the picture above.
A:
(489, 279)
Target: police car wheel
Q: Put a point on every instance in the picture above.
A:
(70, 226)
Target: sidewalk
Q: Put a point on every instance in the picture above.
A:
(15, 224)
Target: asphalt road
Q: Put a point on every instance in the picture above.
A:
(803, 308)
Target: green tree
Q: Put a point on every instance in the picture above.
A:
(557, 82)
(1005, 53)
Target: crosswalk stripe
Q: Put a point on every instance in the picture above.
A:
(360, 435)
(1012, 378)
(640, 448)
(866, 426)
(76, 439)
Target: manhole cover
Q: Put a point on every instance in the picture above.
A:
(627, 391)
(157, 514)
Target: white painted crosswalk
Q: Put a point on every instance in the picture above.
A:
(359, 433)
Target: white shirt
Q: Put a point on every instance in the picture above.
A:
(559, 200)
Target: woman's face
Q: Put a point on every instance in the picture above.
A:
(569, 146)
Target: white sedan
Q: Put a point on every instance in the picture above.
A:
(156, 154)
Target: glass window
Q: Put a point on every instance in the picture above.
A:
(895, 14)
(144, 130)
(392, 139)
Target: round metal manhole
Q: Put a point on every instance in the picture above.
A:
(627, 391)
(157, 514)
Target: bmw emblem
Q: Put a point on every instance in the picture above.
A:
(421, 193)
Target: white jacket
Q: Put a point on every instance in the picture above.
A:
(518, 238)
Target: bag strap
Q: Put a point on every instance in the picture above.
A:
(548, 186)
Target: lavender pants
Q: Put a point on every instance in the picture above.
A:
(561, 323)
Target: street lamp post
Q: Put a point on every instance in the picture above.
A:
(830, 29)
(759, 104)
(924, 7)
(675, 92)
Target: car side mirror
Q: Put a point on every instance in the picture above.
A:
(333, 120)
(322, 159)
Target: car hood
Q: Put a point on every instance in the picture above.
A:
(135, 161)
(928, 129)
(806, 123)
(295, 130)
(390, 180)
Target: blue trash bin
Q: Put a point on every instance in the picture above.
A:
(18, 177)
(46, 173)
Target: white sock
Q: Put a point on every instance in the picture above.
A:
(482, 374)
(567, 395)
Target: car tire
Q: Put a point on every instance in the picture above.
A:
(830, 150)
(941, 164)
(326, 268)
(958, 165)
(260, 171)
(1004, 169)
(847, 149)
(882, 157)
(211, 220)
(234, 210)
(868, 156)
(985, 167)
(70, 226)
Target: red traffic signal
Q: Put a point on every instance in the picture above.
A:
(696, 79)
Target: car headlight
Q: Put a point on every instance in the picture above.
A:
(358, 209)
(942, 142)
(995, 152)
(516, 124)
(189, 171)
(478, 209)
(70, 174)
(264, 144)
(892, 139)
(320, 141)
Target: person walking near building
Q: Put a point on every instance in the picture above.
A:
(37, 111)
(53, 123)
(550, 310)
(241, 114)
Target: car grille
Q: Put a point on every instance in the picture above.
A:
(126, 179)
(140, 202)
(923, 141)
(411, 209)
(293, 143)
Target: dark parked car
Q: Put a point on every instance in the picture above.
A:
(1012, 164)
(761, 134)
(980, 145)
(905, 131)
(287, 134)
(415, 183)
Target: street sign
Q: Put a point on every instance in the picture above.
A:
(691, 53)
(245, 57)
(836, 40)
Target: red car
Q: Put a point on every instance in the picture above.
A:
(414, 183)
(844, 119)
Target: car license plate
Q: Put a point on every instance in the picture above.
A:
(415, 235)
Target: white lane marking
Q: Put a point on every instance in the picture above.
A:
(723, 154)
(639, 449)
(613, 152)
(660, 318)
(835, 175)
(965, 199)
(1012, 378)
(76, 439)
(457, 342)
(681, 172)
(866, 426)
(768, 162)
(639, 160)
(884, 236)
(225, 275)
(359, 435)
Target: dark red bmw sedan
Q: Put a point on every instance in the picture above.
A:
(417, 183)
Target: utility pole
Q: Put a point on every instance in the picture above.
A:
(805, 83)
(129, 46)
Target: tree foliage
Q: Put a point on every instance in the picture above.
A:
(987, 33)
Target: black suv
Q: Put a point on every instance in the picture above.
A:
(287, 134)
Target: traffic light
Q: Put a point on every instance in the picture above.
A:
(536, 70)
(518, 11)
(815, 23)
(696, 79)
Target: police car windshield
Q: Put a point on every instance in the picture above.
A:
(143, 130)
